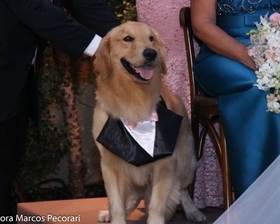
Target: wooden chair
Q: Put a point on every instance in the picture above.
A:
(204, 111)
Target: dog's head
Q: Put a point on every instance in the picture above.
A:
(133, 49)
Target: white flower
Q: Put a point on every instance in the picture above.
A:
(273, 105)
(265, 51)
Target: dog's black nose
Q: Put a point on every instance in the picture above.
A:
(149, 54)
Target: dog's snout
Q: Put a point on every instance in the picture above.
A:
(149, 54)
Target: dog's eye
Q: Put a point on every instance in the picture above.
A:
(151, 38)
(128, 39)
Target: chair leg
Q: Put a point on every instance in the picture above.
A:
(195, 131)
(227, 188)
(221, 150)
(196, 135)
(21, 196)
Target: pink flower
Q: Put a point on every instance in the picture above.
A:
(274, 18)
(264, 50)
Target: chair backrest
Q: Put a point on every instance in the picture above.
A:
(190, 40)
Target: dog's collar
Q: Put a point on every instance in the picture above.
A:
(144, 134)
(132, 125)
(115, 137)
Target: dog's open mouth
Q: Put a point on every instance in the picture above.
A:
(143, 73)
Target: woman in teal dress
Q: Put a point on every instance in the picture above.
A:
(224, 69)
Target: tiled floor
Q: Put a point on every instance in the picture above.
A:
(87, 210)
(211, 214)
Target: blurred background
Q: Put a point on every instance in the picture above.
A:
(62, 161)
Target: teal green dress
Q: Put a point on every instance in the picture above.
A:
(252, 133)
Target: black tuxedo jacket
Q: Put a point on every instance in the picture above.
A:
(25, 24)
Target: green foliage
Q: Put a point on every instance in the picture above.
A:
(46, 146)
(47, 142)
(125, 9)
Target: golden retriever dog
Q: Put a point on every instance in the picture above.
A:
(129, 65)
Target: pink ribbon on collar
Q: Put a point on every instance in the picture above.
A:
(153, 117)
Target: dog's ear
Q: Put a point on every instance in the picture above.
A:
(102, 64)
(160, 47)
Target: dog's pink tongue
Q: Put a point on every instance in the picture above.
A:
(145, 72)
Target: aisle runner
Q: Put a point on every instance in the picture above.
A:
(260, 203)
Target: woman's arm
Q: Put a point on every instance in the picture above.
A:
(203, 14)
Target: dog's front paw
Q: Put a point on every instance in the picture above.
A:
(196, 216)
(155, 219)
(103, 216)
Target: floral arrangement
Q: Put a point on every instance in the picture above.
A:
(265, 52)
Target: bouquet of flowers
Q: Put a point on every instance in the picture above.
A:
(265, 52)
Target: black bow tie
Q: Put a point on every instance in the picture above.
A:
(117, 139)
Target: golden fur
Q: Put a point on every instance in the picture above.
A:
(163, 183)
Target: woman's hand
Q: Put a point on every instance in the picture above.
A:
(245, 58)
(250, 63)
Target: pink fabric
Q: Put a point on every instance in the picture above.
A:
(163, 16)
